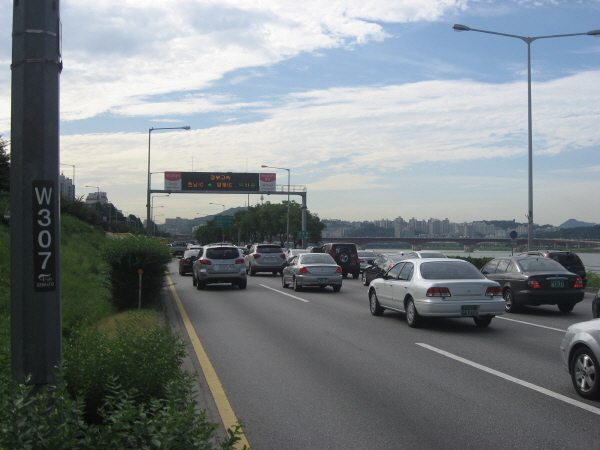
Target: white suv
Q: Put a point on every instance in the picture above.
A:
(219, 263)
(265, 258)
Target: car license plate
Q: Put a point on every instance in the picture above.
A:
(557, 283)
(469, 310)
(322, 280)
(270, 259)
(224, 266)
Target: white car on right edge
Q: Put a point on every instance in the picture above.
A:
(580, 353)
(437, 288)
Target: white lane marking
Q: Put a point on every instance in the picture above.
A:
(515, 380)
(532, 324)
(284, 293)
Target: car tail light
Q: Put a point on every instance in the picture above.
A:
(361, 260)
(186, 260)
(578, 283)
(438, 292)
(255, 255)
(206, 262)
(239, 261)
(533, 283)
(338, 270)
(282, 256)
(493, 290)
(303, 270)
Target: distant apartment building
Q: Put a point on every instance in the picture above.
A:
(96, 197)
(67, 188)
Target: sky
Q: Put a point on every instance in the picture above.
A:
(379, 108)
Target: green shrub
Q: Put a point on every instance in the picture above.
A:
(477, 262)
(123, 259)
(143, 360)
(49, 419)
(593, 278)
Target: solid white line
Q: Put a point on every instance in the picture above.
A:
(284, 293)
(532, 324)
(526, 384)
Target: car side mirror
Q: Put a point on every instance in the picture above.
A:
(485, 272)
(379, 275)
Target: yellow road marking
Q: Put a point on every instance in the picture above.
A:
(216, 388)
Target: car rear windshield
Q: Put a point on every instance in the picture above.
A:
(268, 249)
(432, 255)
(222, 253)
(345, 249)
(316, 258)
(566, 259)
(442, 270)
(540, 264)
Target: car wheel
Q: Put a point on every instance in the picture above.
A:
(283, 283)
(412, 315)
(194, 282)
(252, 271)
(509, 301)
(566, 307)
(180, 273)
(374, 305)
(337, 288)
(344, 257)
(242, 284)
(483, 321)
(297, 287)
(584, 373)
(364, 279)
(355, 275)
(200, 285)
(344, 273)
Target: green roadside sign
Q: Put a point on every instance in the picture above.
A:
(223, 222)
(305, 234)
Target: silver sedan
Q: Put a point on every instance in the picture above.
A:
(580, 353)
(437, 288)
(312, 269)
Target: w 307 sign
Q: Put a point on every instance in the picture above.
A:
(45, 235)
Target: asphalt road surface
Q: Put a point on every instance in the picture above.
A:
(315, 370)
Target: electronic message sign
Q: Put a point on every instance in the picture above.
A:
(212, 181)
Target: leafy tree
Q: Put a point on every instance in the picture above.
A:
(4, 166)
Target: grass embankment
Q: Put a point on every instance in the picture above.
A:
(120, 384)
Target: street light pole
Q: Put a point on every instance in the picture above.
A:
(287, 233)
(150, 130)
(97, 195)
(528, 41)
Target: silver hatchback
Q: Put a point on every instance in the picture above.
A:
(219, 264)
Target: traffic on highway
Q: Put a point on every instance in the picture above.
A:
(314, 368)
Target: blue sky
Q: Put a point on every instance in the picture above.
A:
(379, 108)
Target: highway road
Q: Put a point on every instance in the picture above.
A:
(315, 370)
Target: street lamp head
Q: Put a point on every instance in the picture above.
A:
(458, 27)
(187, 127)
(595, 33)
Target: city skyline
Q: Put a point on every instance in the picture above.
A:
(378, 108)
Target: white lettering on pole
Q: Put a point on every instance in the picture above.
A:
(44, 239)
(44, 197)
(46, 214)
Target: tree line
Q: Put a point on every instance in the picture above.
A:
(263, 223)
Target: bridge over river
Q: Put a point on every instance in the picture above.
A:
(468, 243)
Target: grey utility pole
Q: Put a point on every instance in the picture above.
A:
(35, 192)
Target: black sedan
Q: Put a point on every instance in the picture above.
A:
(531, 280)
(186, 261)
(596, 306)
(381, 264)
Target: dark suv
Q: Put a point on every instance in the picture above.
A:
(345, 255)
(568, 260)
